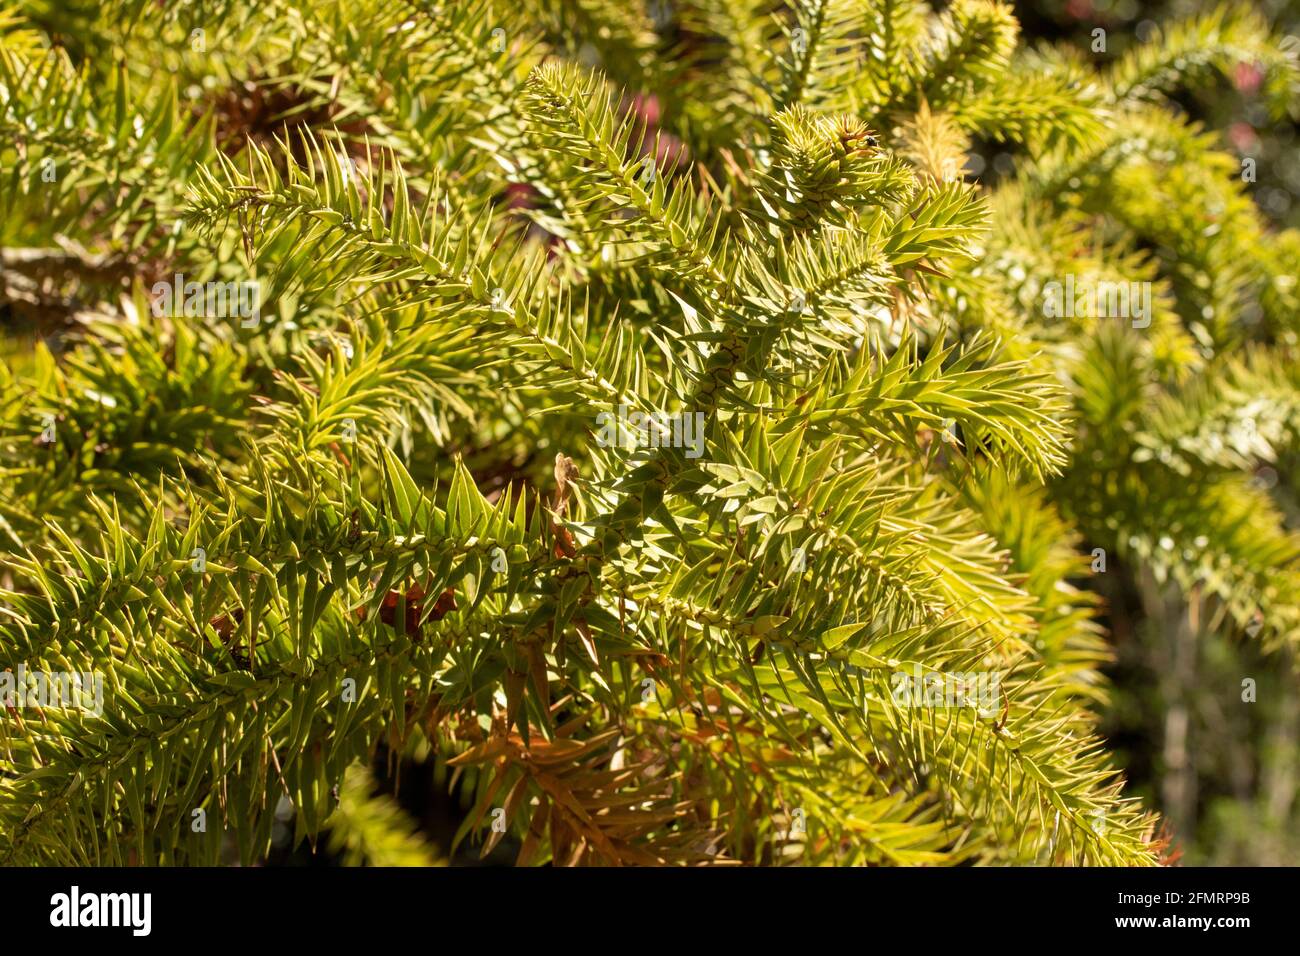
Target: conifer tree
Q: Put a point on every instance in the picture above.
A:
(642, 415)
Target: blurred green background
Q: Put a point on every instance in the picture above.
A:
(1225, 773)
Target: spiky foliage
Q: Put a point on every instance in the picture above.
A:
(389, 515)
